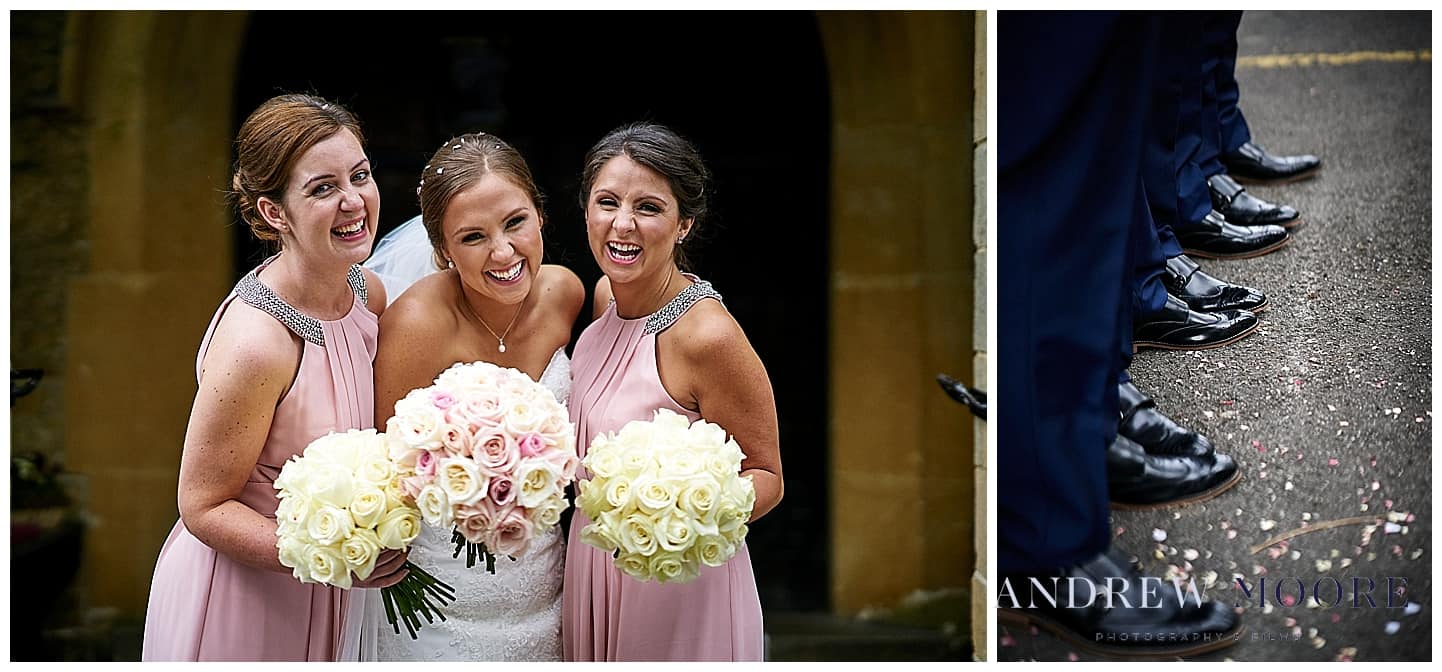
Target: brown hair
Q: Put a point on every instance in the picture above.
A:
(457, 166)
(664, 151)
(270, 142)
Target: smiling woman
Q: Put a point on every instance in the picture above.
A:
(283, 366)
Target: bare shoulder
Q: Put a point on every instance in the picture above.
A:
(423, 308)
(707, 331)
(562, 288)
(250, 344)
(375, 291)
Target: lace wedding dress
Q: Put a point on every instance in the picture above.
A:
(512, 615)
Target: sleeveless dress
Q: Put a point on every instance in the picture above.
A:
(607, 615)
(204, 605)
(512, 615)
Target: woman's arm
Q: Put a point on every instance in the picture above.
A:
(706, 358)
(602, 298)
(251, 362)
(411, 349)
(375, 292)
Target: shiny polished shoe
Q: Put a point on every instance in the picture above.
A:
(1216, 238)
(1177, 327)
(1241, 208)
(1104, 606)
(1147, 427)
(1185, 280)
(1252, 163)
(1137, 480)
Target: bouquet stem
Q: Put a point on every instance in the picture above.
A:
(413, 596)
(473, 551)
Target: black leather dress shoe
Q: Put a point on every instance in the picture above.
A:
(1147, 427)
(1253, 163)
(1137, 481)
(1216, 238)
(1105, 607)
(1185, 280)
(1239, 207)
(1177, 327)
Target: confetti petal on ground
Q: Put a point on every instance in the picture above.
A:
(1336, 618)
(1007, 640)
(1324, 565)
(1288, 486)
(1071, 655)
(1333, 462)
(1231, 534)
(1190, 554)
(1376, 486)
(1159, 534)
(1417, 553)
(1392, 627)
(1411, 609)
(1391, 528)
(1268, 524)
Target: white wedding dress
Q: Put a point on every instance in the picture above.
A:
(512, 615)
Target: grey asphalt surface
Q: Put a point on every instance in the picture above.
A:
(1306, 404)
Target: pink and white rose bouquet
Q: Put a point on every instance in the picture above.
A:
(486, 450)
(666, 497)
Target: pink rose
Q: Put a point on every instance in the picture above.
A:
(475, 521)
(531, 444)
(495, 453)
(442, 399)
(426, 464)
(503, 490)
(480, 410)
(513, 534)
(456, 437)
(411, 485)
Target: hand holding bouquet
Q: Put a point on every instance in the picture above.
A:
(488, 451)
(665, 497)
(339, 508)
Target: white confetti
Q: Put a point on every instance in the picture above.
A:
(1411, 609)
(1268, 524)
(1391, 528)
(1324, 565)
(1159, 534)
(1392, 627)
(1190, 554)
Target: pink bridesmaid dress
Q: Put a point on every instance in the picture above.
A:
(607, 615)
(206, 606)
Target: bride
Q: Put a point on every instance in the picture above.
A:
(493, 300)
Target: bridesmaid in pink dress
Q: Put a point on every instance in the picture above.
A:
(665, 341)
(283, 366)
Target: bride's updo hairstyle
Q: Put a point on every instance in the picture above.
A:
(664, 151)
(269, 144)
(457, 166)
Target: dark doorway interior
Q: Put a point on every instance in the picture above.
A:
(749, 89)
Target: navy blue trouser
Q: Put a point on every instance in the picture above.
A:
(1073, 95)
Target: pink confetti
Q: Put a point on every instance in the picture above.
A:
(1276, 552)
(1387, 503)
(1297, 382)
(1034, 631)
(1120, 530)
(1336, 617)
(1375, 486)
(1374, 460)
(1071, 655)
(1289, 622)
(1007, 640)
(1258, 445)
(1289, 600)
(1228, 402)
(1397, 550)
(1332, 462)
(1411, 517)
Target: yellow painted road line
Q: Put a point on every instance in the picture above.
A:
(1348, 58)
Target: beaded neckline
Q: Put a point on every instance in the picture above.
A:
(254, 292)
(662, 319)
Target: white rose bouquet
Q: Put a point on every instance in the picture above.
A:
(339, 508)
(665, 497)
(488, 451)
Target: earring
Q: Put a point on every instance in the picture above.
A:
(680, 239)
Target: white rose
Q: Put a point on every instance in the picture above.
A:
(329, 525)
(398, 528)
(325, 565)
(600, 536)
(522, 417)
(637, 534)
(463, 483)
(714, 550)
(590, 496)
(604, 461)
(698, 498)
(417, 422)
(618, 493)
(669, 419)
(329, 484)
(654, 494)
(706, 435)
(433, 505)
(292, 555)
(368, 506)
(670, 567)
(635, 434)
(360, 552)
(291, 514)
(375, 468)
(639, 460)
(719, 467)
(549, 513)
(683, 463)
(537, 479)
(730, 518)
(675, 533)
(635, 566)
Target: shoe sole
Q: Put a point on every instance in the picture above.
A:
(1243, 255)
(1186, 501)
(1255, 181)
(1021, 618)
(1138, 345)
